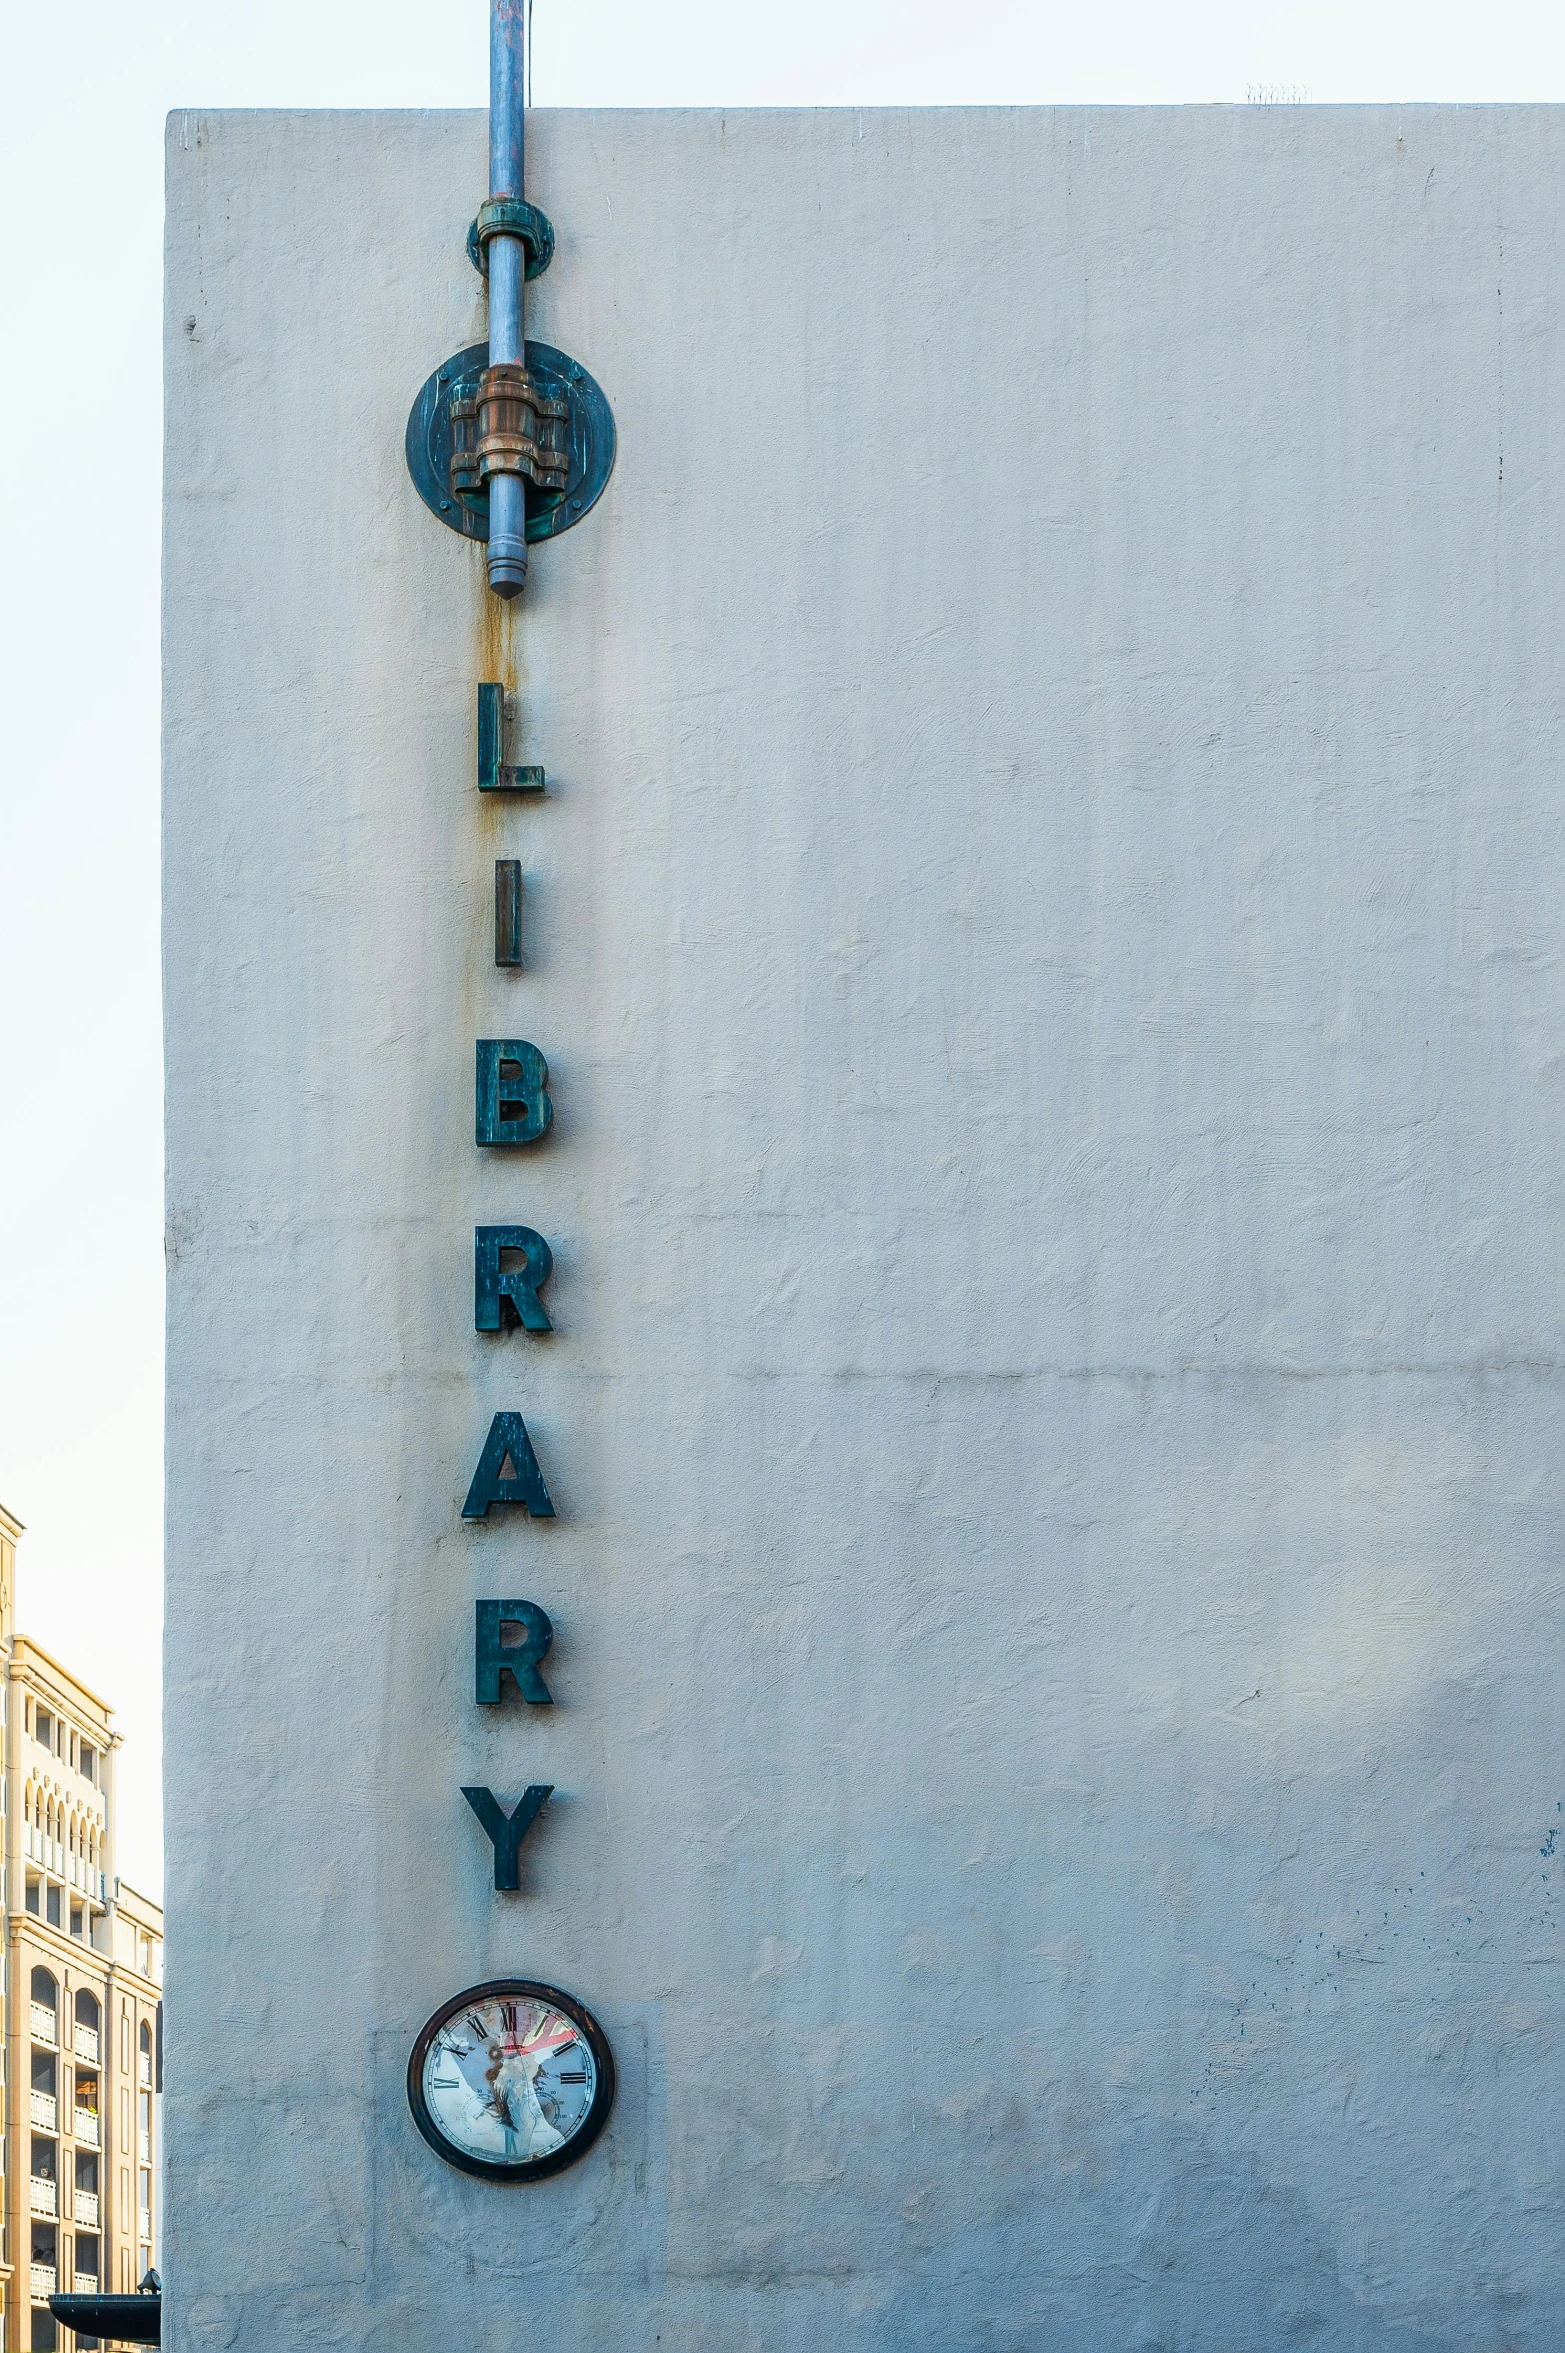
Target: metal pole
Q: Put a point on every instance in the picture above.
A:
(507, 276)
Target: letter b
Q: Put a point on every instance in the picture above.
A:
(513, 1092)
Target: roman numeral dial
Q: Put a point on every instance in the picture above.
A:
(511, 2080)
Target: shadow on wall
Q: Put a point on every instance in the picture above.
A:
(1220, 2261)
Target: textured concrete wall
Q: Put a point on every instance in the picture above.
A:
(1046, 929)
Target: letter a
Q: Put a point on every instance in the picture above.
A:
(507, 1443)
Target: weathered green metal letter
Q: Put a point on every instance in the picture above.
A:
(513, 1092)
(494, 1658)
(494, 774)
(506, 1831)
(504, 1296)
(507, 1443)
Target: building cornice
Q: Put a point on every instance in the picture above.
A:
(138, 1907)
(123, 1969)
(25, 1651)
(56, 1940)
(72, 1949)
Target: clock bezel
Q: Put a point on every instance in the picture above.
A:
(521, 2169)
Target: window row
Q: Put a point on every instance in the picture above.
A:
(47, 2112)
(62, 1740)
(83, 2260)
(44, 2013)
(46, 2109)
(53, 1816)
(78, 2200)
(46, 1900)
(44, 2019)
(45, 2196)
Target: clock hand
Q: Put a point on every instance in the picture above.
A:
(549, 2038)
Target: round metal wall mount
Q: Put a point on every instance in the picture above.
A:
(509, 216)
(590, 439)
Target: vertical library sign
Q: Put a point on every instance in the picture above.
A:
(509, 442)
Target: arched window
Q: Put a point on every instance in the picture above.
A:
(144, 2039)
(87, 2011)
(45, 1990)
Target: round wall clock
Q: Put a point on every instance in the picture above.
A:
(511, 2080)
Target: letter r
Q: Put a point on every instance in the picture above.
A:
(495, 1658)
(504, 1297)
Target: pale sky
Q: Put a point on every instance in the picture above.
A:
(85, 90)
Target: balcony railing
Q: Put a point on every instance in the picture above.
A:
(45, 2026)
(85, 2283)
(41, 2108)
(51, 1855)
(86, 2127)
(43, 2197)
(84, 2042)
(144, 2147)
(84, 2207)
(146, 2225)
(144, 2069)
(40, 2279)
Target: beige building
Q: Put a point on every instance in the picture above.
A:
(83, 1972)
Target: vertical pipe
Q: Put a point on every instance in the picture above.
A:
(507, 275)
(507, 96)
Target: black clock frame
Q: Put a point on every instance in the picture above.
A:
(581, 2140)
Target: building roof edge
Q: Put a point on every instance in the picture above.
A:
(22, 1643)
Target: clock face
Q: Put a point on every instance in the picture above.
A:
(511, 2080)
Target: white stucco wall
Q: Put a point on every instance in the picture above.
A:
(1046, 929)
